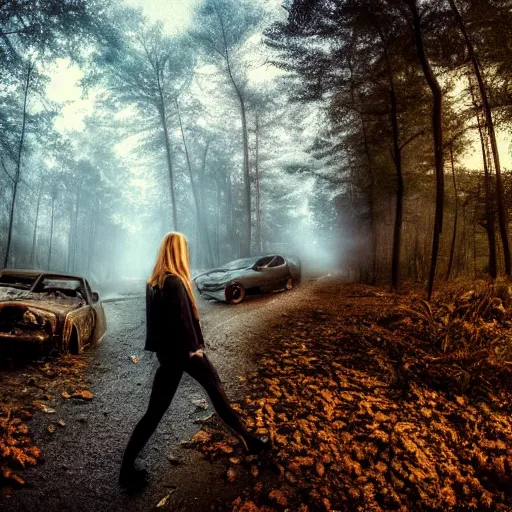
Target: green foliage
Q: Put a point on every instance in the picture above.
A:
(52, 28)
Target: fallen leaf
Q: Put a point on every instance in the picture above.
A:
(231, 475)
(165, 499)
(45, 408)
(278, 497)
(201, 437)
(83, 394)
(135, 359)
(13, 477)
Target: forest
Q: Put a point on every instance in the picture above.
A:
(369, 137)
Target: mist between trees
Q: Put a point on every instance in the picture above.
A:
(335, 130)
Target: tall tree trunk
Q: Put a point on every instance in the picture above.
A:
(416, 269)
(373, 229)
(257, 176)
(474, 250)
(456, 203)
(489, 207)
(34, 234)
(245, 249)
(92, 230)
(168, 151)
(196, 193)
(502, 213)
(229, 208)
(437, 131)
(217, 225)
(198, 255)
(397, 230)
(397, 159)
(488, 188)
(70, 238)
(75, 227)
(52, 223)
(371, 204)
(16, 180)
(462, 260)
(201, 188)
(245, 246)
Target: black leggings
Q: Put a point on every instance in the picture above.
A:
(167, 379)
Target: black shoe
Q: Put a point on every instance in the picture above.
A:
(255, 445)
(132, 477)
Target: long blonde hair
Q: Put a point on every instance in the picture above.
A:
(173, 258)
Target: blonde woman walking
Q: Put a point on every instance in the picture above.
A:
(174, 333)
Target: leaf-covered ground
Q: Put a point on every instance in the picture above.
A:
(41, 385)
(380, 402)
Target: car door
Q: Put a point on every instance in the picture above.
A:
(99, 322)
(275, 274)
(84, 317)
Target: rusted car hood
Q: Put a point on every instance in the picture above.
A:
(58, 309)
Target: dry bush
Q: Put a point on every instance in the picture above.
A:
(461, 342)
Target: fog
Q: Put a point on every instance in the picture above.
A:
(127, 152)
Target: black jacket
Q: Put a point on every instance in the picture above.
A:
(171, 327)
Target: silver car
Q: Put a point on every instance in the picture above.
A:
(249, 276)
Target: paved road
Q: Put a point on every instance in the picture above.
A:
(81, 463)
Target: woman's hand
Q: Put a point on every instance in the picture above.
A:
(198, 353)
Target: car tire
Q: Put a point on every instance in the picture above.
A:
(235, 293)
(74, 346)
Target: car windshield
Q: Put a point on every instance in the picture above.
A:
(267, 261)
(66, 286)
(21, 281)
(241, 263)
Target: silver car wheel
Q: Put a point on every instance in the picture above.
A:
(235, 293)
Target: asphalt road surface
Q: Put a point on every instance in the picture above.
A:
(81, 460)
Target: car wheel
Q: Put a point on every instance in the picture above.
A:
(289, 284)
(235, 293)
(74, 343)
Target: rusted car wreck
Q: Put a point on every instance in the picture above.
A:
(47, 312)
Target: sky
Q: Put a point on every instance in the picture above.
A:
(176, 15)
(473, 159)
